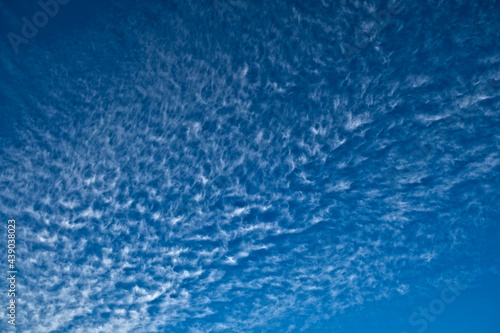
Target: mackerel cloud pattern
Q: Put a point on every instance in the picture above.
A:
(238, 166)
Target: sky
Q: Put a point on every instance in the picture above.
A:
(251, 166)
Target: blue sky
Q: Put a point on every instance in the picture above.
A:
(237, 166)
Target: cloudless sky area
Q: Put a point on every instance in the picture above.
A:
(251, 166)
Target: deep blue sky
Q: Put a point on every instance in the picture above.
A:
(251, 166)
